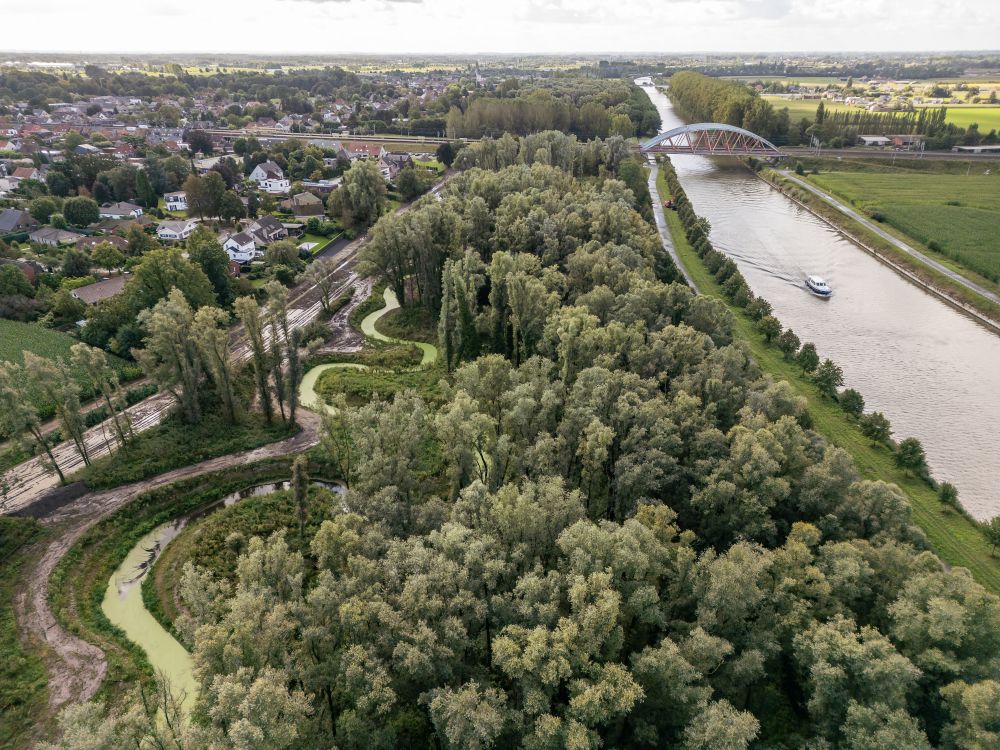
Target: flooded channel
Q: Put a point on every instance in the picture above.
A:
(934, 372)
(124, 607)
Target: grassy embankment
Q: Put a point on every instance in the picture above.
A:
(393, 366)
(868, 238)
(173, 444)
(955, 537)
(22, 672)
(79, 581)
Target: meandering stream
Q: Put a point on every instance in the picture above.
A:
(123, 604)
(307, 388)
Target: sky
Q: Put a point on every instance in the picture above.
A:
(498, 26)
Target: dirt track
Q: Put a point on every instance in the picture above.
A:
(75, 667)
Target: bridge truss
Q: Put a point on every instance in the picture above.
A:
(711, 139)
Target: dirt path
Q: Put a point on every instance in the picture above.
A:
(75, 667)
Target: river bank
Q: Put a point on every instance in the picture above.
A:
(931, 280)
(931, 369)
(955, 537)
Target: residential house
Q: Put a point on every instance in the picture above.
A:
(26, 173)
(29, 268)
(304, 204)
(120, 211)
(241, 247)
(266, 230)
(6, 187)
(100, 290)
(8, 145)
(270, 178)
(364, 150)
(14, 220)
(173, 231)
(54, 237)
(323, 187)
(392, 164)
(176, 201)
(87, 244)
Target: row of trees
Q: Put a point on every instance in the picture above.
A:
(636, 540)
(705, 99)
(826, 374)
(61, 387)
(589, 108)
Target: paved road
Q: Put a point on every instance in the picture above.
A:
(908, 249)
(867, 153)
(661, 224)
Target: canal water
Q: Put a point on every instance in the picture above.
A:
(934, 372)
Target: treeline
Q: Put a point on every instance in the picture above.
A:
(38, 87)
(701, 98)
(705, 99)
(411, 250)
(588, 108)
(614, 531)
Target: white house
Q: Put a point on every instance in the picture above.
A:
(270, 178)
(176, 201)
(241, 247)
(874, 140)
(120, 211)
(172, 231)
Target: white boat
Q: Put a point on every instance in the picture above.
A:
(818, 286)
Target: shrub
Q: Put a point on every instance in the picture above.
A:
(852, 402)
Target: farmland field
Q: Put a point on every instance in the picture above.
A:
(987, 118)
(799, 108)
(960, 213)
(17, 337)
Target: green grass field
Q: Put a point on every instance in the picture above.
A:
(799, 108)
(960, 213)
(16, 338)
(954, 537)
(988, 118)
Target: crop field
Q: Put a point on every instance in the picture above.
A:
(16, 338)
(988, 118)
(959, 213)
(799, 108)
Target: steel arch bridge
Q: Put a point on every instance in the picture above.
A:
(710, 139)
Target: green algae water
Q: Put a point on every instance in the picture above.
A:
(307, 388)
(430, 352)
(125, 609)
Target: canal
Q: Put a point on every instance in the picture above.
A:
(934, 372)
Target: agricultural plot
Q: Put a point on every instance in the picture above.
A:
(959, 214)
(17, 338)
(799, 108)
(987, 118)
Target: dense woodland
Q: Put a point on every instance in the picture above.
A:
(610, 529)
(704, 99)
